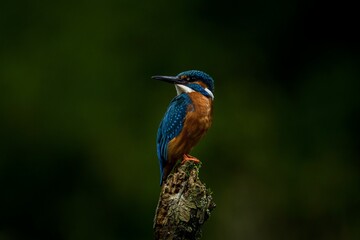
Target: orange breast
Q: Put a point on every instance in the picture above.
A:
(197, 122)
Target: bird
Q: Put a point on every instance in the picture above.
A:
(187, 119)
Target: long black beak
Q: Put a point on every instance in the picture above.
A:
(170, 79)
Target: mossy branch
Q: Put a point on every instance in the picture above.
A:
(184, 205)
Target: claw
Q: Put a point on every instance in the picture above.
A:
(188, 157)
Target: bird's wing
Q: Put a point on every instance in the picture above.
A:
(171, 126)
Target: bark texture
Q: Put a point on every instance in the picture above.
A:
(184, 205)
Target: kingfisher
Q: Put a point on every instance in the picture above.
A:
(188, 117)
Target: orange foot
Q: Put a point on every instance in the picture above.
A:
(188, 157)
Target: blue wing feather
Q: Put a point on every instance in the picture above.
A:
(171, 126)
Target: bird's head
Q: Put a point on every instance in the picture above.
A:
(191, 81)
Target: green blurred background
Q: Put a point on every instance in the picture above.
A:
(79, 115)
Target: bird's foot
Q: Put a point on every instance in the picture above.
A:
(188, 157)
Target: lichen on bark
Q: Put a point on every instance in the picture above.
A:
(184, 205)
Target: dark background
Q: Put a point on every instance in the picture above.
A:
(79, 115)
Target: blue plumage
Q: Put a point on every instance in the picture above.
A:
(196, 75)
(186, 120)
(171, 126)
(198, 88)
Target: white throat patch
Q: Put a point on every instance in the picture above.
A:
(184, 89)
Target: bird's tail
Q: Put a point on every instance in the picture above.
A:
(164, 174)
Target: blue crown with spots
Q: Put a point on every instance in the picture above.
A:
(195, 75)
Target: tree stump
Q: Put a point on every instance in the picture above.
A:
(184, 205)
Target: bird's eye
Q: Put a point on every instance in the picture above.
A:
(188, 78)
